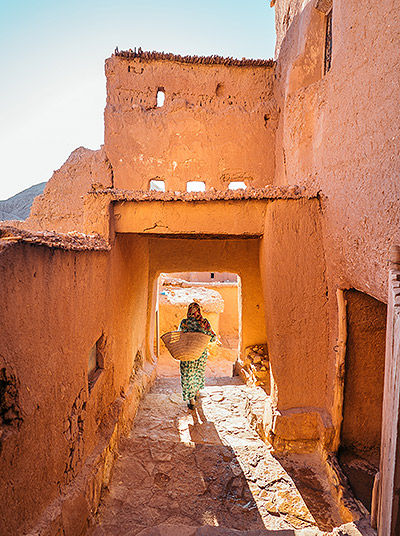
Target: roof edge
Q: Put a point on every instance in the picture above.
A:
(268, 193)
(147, 55)
(72, 241)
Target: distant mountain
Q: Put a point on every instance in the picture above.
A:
(19, 205)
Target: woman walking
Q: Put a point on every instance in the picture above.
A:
(192, 372)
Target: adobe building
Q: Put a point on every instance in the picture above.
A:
(314, 137)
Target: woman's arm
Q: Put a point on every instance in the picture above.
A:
(209, 331)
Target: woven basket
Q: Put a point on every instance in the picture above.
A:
(185, 346)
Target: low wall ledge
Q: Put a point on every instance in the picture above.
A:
(267, 193)
(73, 241)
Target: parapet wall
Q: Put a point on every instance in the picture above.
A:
(217, 123)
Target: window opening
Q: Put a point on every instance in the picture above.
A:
(212, 275)
(328, 43)
(195, 186)
(157, 185)
(160, 98)
(95, 362)
(237, 185)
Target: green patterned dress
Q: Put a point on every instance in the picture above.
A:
(192, 372)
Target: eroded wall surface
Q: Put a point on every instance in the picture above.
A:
(54, 434)
(340, 132)
(61, 206)
(217, 123)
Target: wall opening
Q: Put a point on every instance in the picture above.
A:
(219, 90)
(195, 186)
(328, 42)
(95, 362)
(359, 451)
(237, 185)
(160, 97)
(219, 296)
(10, 411)
(157, 185)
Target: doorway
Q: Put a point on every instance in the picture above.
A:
(359, 451)
(220, 297)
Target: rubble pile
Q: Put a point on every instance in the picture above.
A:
(254, 366)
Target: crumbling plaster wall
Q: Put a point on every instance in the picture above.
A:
(61, 207)
(217, 123)
(339, 132)
(63, 439)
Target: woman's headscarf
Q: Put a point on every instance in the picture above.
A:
(194, 312)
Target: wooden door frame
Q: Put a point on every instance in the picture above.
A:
(389, 484)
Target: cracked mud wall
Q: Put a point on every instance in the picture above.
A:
(55, 305)
(209, 112)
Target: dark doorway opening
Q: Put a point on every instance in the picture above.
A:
(359, 451)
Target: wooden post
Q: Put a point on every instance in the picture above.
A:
(340, 365)
(375, 501)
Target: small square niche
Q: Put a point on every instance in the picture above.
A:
(157, 185)
(196, 186)
(237, 185)
(95, 362)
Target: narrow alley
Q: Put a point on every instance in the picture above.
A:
(181, 470)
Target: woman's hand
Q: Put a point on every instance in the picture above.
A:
(217, 341)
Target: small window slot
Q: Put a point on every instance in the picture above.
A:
(95, 362)
(195, 186)
(237, 185)
(328, 43)
(157, 185)
(160, 98)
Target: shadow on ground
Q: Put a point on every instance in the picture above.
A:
(207, 472)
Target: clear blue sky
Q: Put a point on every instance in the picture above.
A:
(52, 90)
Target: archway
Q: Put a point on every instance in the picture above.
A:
(219, 295)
